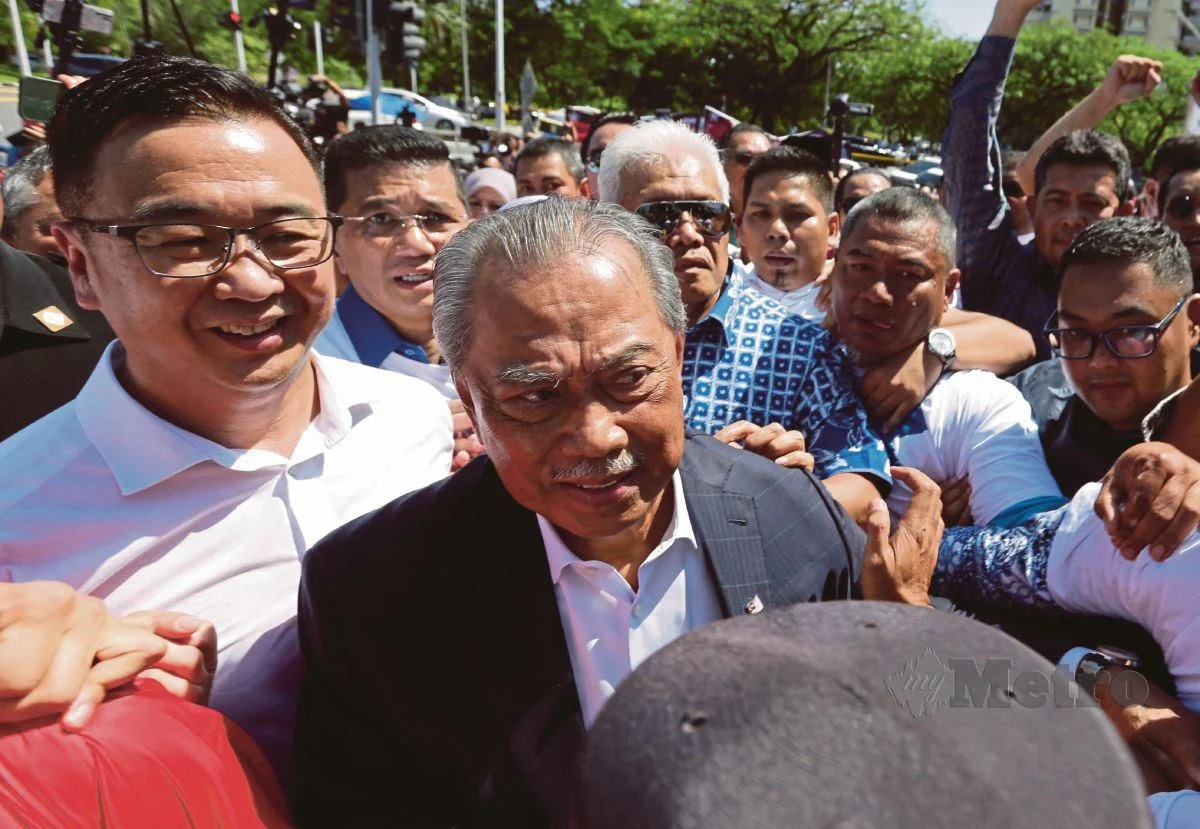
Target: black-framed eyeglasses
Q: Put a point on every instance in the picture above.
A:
(1129, 342)
(387, 225)
(710, 218)
(190, 250)
(1182, 207)
(1013, 189)
(593, 161)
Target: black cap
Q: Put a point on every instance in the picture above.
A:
(851, 714)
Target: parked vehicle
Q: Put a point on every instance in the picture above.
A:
(393, 101)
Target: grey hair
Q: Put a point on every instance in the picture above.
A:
(906, 205)
(547, 145)
(20, 186)
(532, 237)
(652, 144)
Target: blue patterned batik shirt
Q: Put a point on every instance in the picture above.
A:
(751, 359)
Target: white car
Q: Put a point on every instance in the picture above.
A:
(430, 116)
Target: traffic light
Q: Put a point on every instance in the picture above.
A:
(231, 21)
(280, 27)
(404, 31)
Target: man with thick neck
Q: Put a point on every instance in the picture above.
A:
(600, 531)
(210, 447)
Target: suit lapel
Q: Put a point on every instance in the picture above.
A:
(527, 651)
(727, 529)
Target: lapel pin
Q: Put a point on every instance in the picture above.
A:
(755, 605)
(53, 319)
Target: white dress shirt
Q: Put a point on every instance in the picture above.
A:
(119, 503)
(801, 301)
(609, 628)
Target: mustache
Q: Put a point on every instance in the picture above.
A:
(621, 463)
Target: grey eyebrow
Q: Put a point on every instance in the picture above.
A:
(526, 376)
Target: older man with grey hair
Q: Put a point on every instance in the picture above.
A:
(30, 209)
(595, 531)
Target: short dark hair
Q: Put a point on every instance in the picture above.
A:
(1133, 240)
(1087, 147)
(151, 89)
(839, 193)
(1187, 164)
(1169, 154)
(798, 163)
(904, 206)
(383, 144)
(626, 117)
(741, 129)
(547, 145)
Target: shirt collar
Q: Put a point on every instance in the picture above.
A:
(680, 529)
(142, 449)
(372, 335)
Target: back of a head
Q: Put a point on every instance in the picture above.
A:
(150, 89)
(654, 143)
(1131, 240)
(548, 145)
(1085, 148)
(386, 144)
(905, 206)
(19, 188)
(626, 117)
(525, 239)
(794, 162)
(851, 715)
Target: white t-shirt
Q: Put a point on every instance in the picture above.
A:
(802, 301)
(106, 496)
(974, 425)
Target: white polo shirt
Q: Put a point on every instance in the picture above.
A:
(106, 496)
(609, 628)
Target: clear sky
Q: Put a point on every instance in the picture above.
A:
(965, 18)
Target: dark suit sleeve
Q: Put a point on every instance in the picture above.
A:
(851, 536)
(354, 769)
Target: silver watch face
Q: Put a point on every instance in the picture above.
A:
(941, 342)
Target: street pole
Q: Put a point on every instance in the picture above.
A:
(320, 47)
(47, 55)
(14, 14)
(462, 10)
(412, 75)
(828, 81)
(239, 42)
(500, 65)
(374, 68)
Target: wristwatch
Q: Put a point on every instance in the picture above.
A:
(941, 344)
(1085, 664)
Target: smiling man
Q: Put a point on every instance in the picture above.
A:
(210, 447)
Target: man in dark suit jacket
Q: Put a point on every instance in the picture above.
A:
(48, 344)
(447, 683)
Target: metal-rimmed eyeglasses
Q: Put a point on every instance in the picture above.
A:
(191, 250)
(1129, 342)
(387, 225)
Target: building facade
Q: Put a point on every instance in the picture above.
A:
(1162, 23)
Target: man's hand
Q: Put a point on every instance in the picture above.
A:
(61, 650)
(1163, 735)
(1150, 498)
(895, 387)
(190, 662)
(956, 503)
(900, 568)
(772, 441)
(466, 445)
(1128, 79)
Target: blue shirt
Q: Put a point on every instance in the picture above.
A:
(373, 336)
(751, 359)
(1000, 276)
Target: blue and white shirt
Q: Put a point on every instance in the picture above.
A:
(749, 358)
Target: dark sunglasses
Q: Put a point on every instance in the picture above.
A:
(1129, 342)
(593, 161)
(1182, 207)
(1013, 189)
(741, 158)
(848, 205)
(710, 218)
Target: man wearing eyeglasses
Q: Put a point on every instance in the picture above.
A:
(210, 448)
(742, 145)
(747, 359)
(605, 128)
(1126, 324)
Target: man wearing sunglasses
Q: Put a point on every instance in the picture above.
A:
(1126, 324)
(210, 447)
(856, 186)
(747, 359)
(741, 146)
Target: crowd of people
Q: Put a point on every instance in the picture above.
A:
(634, 481)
